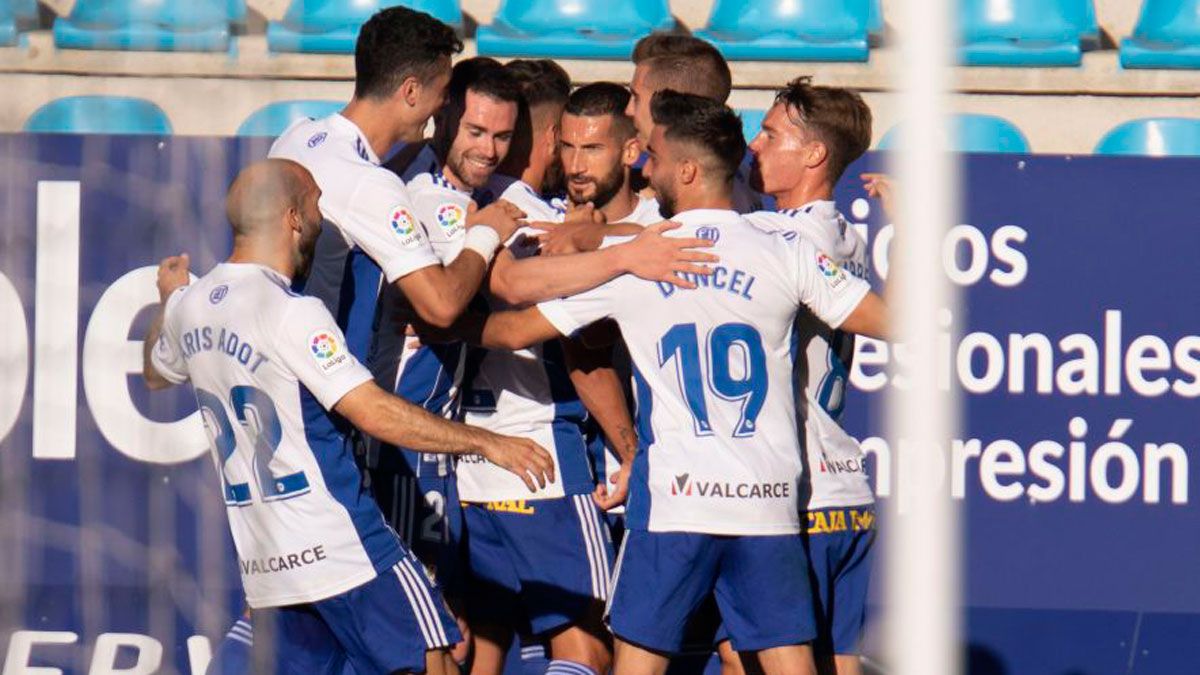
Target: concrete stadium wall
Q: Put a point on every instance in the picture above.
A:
(1061, 110)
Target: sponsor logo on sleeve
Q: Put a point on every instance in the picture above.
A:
(834, 275)
(317, 139)
(328, 351)
(404, 226)
(452, 218)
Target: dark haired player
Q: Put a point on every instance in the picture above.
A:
(712, 506)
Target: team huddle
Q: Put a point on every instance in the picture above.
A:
(566, 375)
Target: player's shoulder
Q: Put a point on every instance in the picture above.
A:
(646, 212)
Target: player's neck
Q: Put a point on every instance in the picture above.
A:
(376, 123)
(453, 178)
(704, 197)
(621, 206)
(250, 251)
(803, 193)
(534, 178)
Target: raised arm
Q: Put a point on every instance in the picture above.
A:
(398, 422)
(869, 318)
(649, 255)
(172, 274)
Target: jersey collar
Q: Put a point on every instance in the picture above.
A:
(821, 208)
(361, 146)
(707, 217)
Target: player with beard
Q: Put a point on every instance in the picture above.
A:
(713, 508)
(331, 583)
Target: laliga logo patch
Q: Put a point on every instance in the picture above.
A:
(451, 217)
(328, 353)
(218, 294)
(404, 225)
(834, 275)
(710, 233)
(317, 139)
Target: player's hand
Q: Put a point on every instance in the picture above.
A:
(607, 498)
(172, 274)
(528, 460)
(881, 186)
(569, 237)
(502, 216)
(653, 257)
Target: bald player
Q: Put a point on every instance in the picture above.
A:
(317, 560)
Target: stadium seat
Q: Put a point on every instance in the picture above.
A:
(273, 118)
(26, 11)
(146, 25)
(99, 115)
(8, 25)
(1026, 32)
(791, 30)
(1154, 137)
(875, 18)
(976, 133)
(751, 122)
(1167, 35)
(331, 26)
(580, 29)
(237, 11)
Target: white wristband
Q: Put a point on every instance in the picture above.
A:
(483, 240)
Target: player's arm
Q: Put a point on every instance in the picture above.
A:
(595, 380)
(869, 318)
(575, 236)
(398, 422)
(649, 255)
(440, 294)
(172, 274)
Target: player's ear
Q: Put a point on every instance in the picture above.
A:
(816, 154)
(688, 171)
(630, 151)
(410, 90)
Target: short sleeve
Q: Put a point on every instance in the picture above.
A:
(828, 290)
(167, 355)
(572, 313)
(444, 217)
(380, 218)
(313, 348)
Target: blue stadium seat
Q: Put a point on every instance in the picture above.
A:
(976, 133)
(791, 30)
(99, 115)
(8, 25)
(236, 10)
(1026, 32)
(331, 26)
(273, 118)
(1167, 36)
(751, 122)
(26, 11)
(875, 18)
(1154, 137)
(146, 25)
(580, 29)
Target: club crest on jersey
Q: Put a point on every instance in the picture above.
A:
(452, 218)
(404, 225)
(218, 294)
(710, 233)
(834, 275)
(328, 352)
(317, 139)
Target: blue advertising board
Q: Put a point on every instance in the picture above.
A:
(1074, 350)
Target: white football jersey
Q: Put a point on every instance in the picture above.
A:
(719, 451)
(524, 393)
(267, 365)
(836, 474)
(376, 235)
